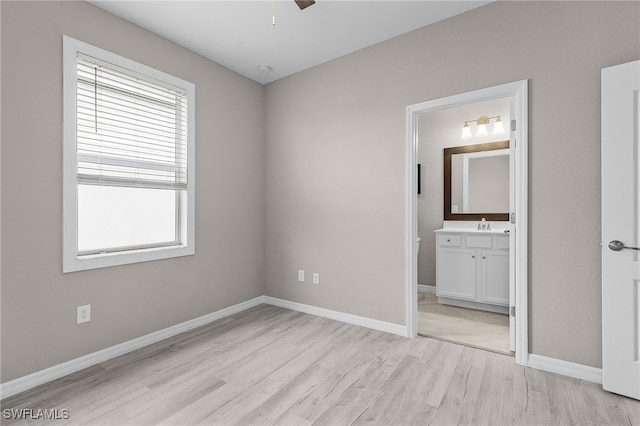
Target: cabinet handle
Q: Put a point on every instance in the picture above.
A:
(483, 257)
(473, 257)
(448, 240)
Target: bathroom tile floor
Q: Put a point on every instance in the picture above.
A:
(472, 327)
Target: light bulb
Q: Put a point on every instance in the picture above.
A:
(482, 130)
(498, 128)
(466, 131)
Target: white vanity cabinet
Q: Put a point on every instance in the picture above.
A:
(472, 269)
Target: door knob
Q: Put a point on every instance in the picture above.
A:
(616, 245)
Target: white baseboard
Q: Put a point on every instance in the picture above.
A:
(427, 288)
(565, 368)
(387, 327)
(38, 378)
(30, 381)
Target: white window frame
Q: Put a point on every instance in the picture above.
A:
(72, 260)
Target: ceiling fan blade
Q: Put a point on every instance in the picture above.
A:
(302, 4)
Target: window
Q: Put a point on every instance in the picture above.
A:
(128, 161)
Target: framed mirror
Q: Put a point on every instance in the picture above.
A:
(476, 182)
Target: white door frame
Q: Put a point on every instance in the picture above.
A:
(519, 91)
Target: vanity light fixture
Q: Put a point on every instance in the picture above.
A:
(482, 122)
(498, 128)
(482, 126)
(466, 131)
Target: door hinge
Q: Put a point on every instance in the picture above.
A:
(512, 311)
(513, 125)
(512, 217)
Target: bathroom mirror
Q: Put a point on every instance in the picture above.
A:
(476, 182)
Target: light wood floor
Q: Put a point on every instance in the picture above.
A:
(472, 327)
(269, 365)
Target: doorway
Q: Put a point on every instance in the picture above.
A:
(464, 178)
(517, 224)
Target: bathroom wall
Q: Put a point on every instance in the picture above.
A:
(438, 130)
(38, 301)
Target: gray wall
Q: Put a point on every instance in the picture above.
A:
(38, 301)
(336, 151)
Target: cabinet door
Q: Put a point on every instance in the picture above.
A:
(495, 277)
(456, 273)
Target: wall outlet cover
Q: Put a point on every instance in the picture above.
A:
(83, 314)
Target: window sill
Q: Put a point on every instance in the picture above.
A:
(73, 263)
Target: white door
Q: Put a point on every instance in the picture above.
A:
(621, 225)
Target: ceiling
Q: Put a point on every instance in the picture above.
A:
(241, 36)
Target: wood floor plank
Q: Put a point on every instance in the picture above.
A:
(288, 371)
(361, 394)
(324, 395)
(439, 366)
(532, 387)
(270, 365)
(245, 377)
(165, 400)
(603, 407)
(401, 396)
(290, 419)
(566, 401)
(277, 408)
(458, 402)
(93, 407)
(45, 395)
(495, 402)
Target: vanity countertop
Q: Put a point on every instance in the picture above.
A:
(473, 231)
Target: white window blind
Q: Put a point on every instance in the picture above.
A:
(130, 131)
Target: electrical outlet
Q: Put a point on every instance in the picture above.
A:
(301, 275)
(84, 314)
(316, 278)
